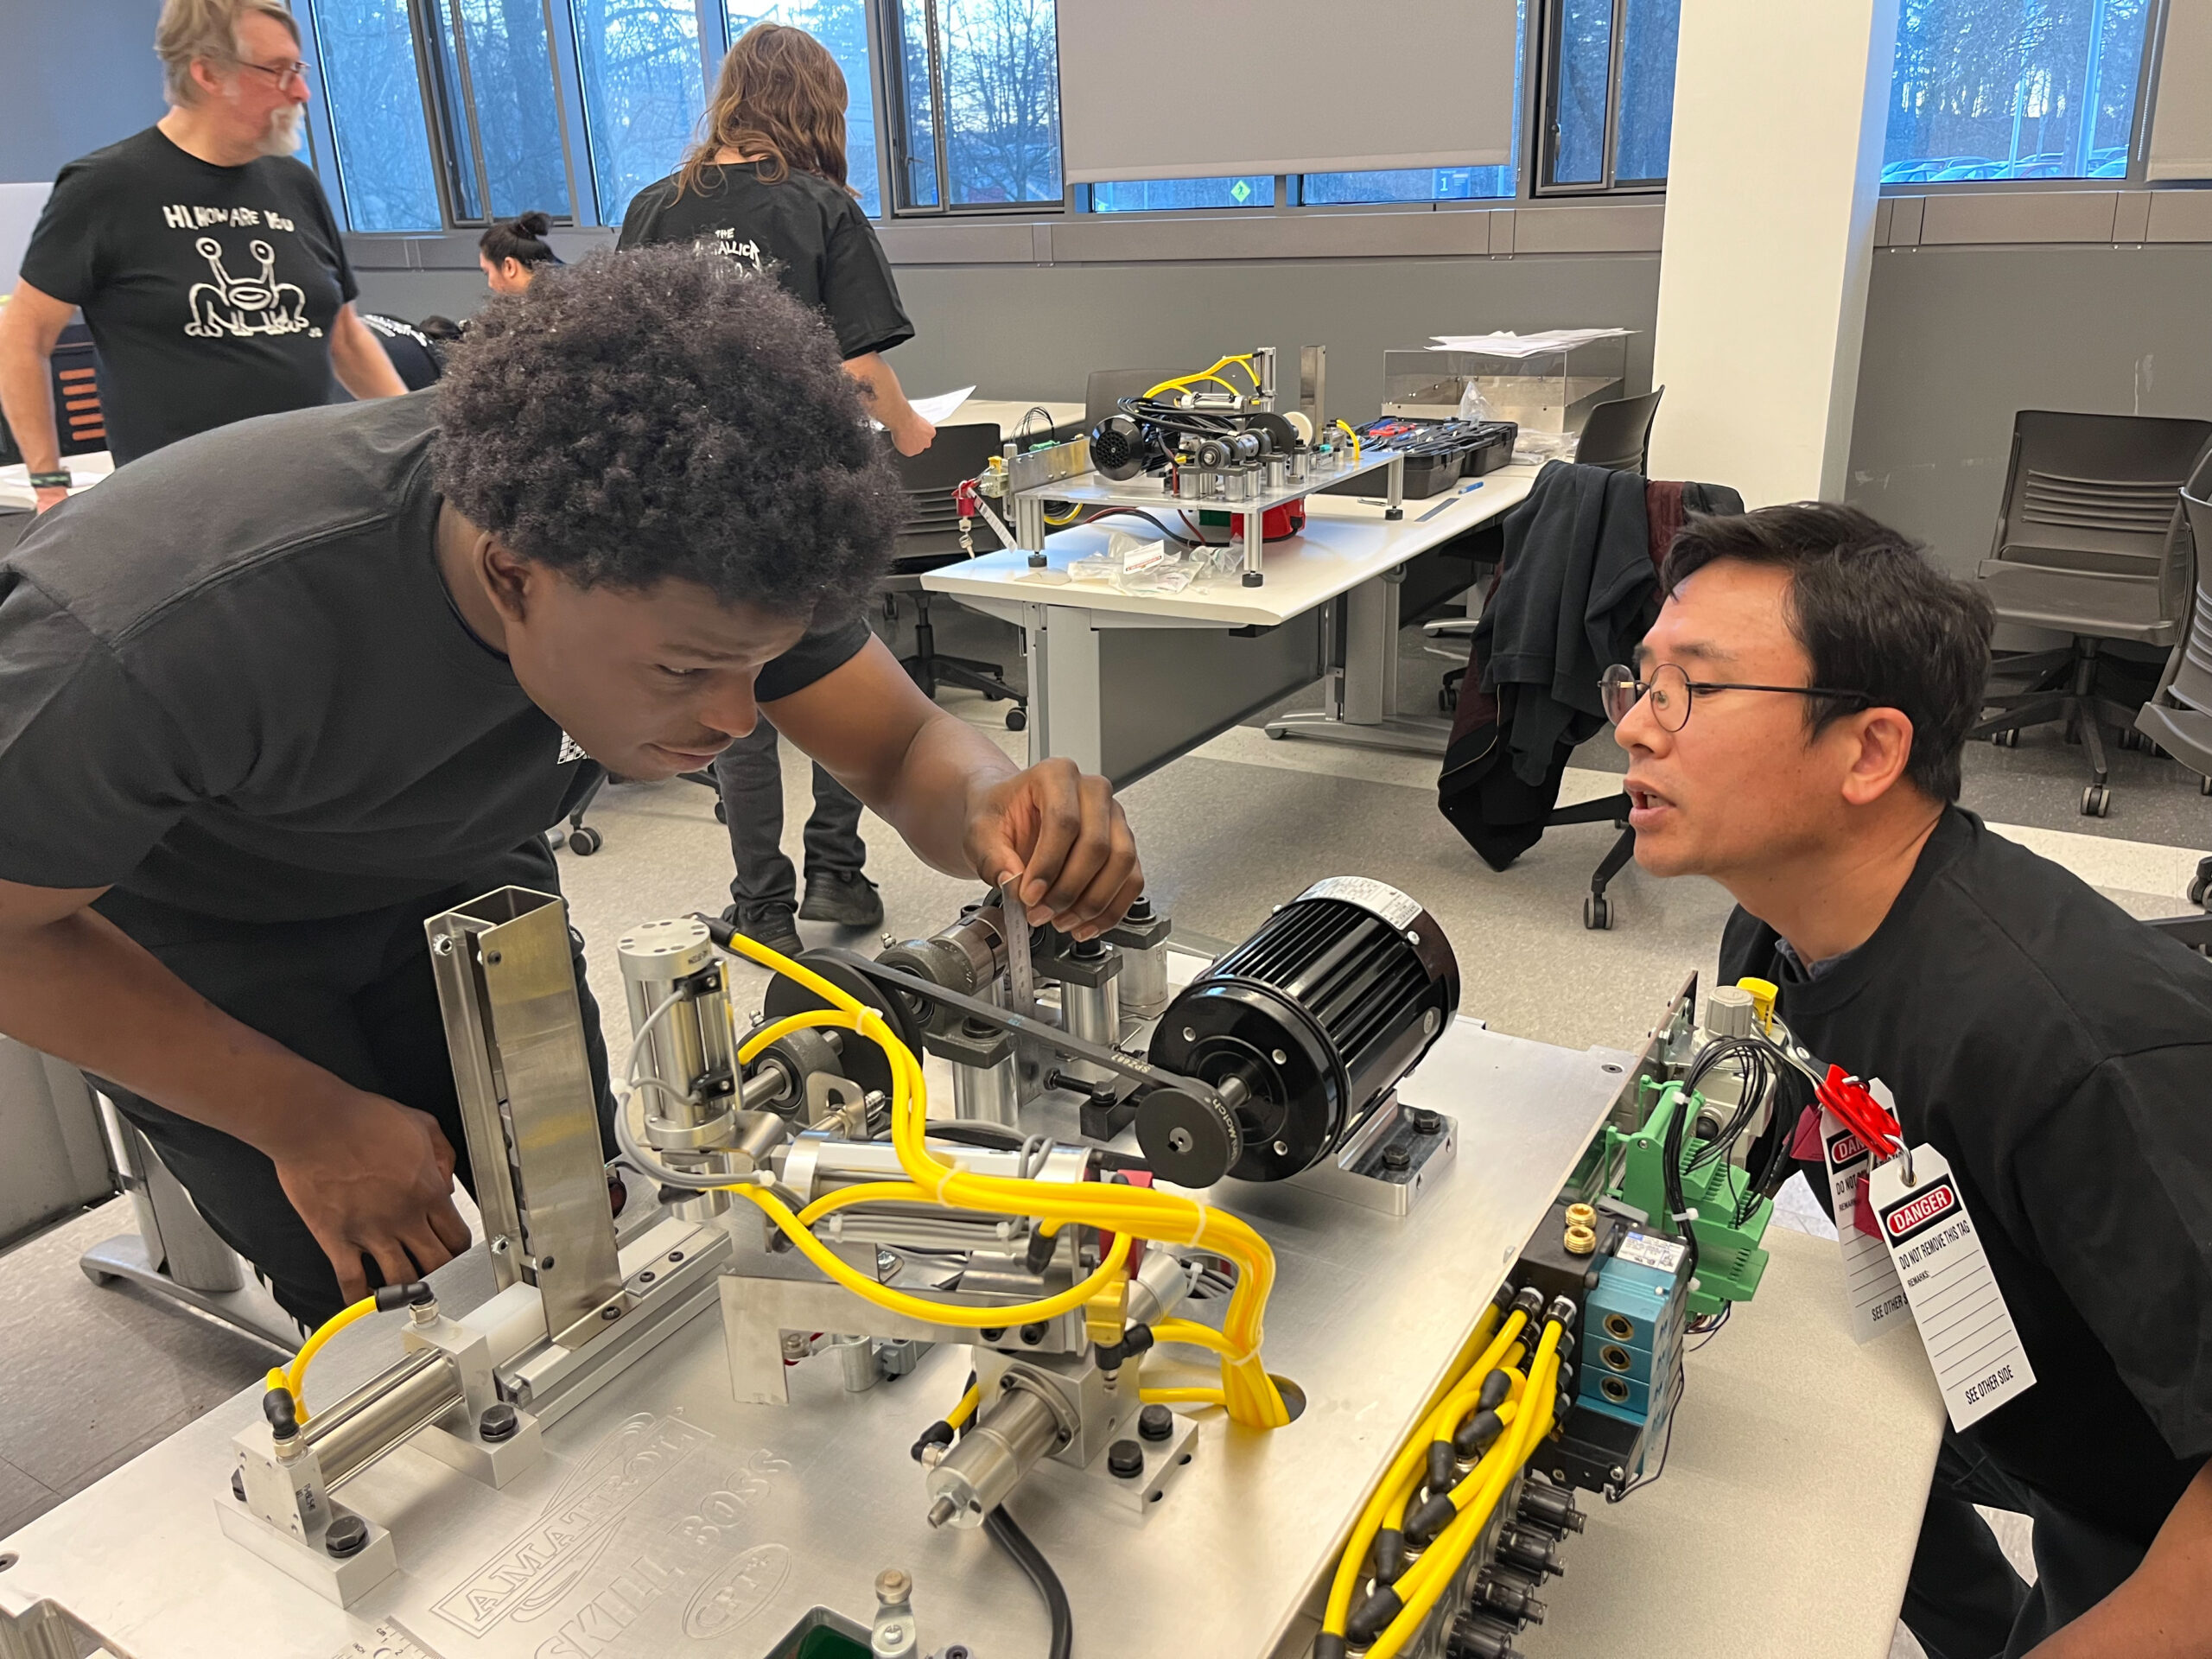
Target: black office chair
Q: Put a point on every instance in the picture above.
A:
(2091, 543)
(930, 541)
(1617, 434)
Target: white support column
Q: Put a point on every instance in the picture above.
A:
(1773, 179)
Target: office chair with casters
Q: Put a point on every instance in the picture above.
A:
(2091, 543)
(1617, 434)
(929, 540)
(2178, 716)
(583, 841)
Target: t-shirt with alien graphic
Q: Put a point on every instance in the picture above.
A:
(210, 291)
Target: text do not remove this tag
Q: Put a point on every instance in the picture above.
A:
(1964, 1324)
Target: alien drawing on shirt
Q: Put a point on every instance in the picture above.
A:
(241, 307)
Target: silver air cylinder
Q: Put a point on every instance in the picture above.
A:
(688, 1042)
(381, 1413)
(990, 1460)
(1091, 1004)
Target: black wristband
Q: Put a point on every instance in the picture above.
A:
(50, 480)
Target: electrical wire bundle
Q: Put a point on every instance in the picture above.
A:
(1499, 1403)
(1124, 1213)
(1761, 1067)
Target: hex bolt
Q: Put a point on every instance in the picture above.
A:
(1125, 1460)
(1426, 1121)
(348, 1536)
(500, 1422)
(1034, 1333)
(1395, 1157)
(1155, 1423)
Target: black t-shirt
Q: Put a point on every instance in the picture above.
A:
(415, 358)
(808, 233)
(2059, 1053)
(210, 291)
(232, 682)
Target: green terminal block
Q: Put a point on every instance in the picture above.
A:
(1730, 1260)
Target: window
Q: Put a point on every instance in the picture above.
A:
(1154, 195)
(366, 51)
(503, 147)
(1427, 183)
(841, 26)
(979, 103)
(2014, 89)
(1610, 109)
(643, 91)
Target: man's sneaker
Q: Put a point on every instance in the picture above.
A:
(845, 897)
(770, 925)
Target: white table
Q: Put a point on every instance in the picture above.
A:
(1122, 684)
(1792, 1495)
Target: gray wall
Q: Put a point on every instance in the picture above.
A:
(1958, 339)
(75, 75)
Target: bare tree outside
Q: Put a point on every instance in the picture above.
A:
(643, 91)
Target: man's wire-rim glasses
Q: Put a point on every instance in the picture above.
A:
(1671, 691)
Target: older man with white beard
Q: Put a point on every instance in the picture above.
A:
(205, 259)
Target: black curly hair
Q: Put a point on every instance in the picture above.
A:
(666, 414)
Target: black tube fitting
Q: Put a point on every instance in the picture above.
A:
(391, 1298)
(1372, 1617)
(1495, 1387)
(1477, 1434)
(937, 1433)
(1329, 1646)
(1443, 1465)
(1432, 1515)
(1529, 1300)
(1390, 1556)
(284, 1415)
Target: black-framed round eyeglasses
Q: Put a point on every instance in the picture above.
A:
(1671, 691)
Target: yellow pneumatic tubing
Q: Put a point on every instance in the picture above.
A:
(1425, 1581)
(290, 1378)
(1248, 1394)
(1458, 1399)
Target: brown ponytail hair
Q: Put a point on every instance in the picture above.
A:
(780, 96)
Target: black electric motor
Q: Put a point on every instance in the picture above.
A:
(1302, 1029)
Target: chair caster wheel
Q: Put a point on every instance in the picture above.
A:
(1597, 914)
(721, 812)
(2006, 740)
(2204, 786)
(2096, 802)
(584, 840)
(2197, 890)
(1017, 719)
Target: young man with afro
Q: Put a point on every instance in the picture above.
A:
(273, 697)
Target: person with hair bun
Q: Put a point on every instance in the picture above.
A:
(513, 251)
(765, 187)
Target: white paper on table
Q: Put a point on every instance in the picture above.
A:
(1512, 344)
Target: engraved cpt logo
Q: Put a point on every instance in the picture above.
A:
(737, 1592)
(574, 1526)
(1922, 1211)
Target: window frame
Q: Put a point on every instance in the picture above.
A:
(2156, 13)
(885, 19)
(1540, 177)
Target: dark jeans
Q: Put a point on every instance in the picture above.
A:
(1963, 1599)
(752, 780)
(355, 996)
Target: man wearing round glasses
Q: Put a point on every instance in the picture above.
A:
(1794, 723)
(205, 259)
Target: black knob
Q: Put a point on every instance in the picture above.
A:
(1428, 1122)
(498, 1423)
(1125, 1460)
(1155, 1422)
(1395, 1157)
(1140, 911)
(347, 1535)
